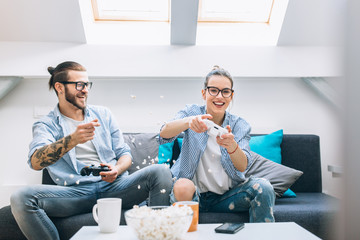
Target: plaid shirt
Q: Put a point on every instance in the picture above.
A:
(194, 145)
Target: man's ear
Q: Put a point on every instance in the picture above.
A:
(59, 87)
(203, 92)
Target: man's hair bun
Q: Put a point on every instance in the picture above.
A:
(51, 70)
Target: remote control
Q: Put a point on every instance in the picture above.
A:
(214, 129)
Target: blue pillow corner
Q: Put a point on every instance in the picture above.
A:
(289, 194)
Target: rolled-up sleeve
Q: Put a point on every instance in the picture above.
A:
(180, 115)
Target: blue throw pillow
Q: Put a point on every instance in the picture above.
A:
(165, 152)
(268, 146)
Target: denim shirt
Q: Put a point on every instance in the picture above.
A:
(108, 141)
(194, 145)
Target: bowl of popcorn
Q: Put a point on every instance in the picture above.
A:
(159, 223)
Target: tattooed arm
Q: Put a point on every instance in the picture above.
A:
(51, 153)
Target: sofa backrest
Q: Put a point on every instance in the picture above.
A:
(301, 152)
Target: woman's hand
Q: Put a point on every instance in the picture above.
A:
(227, 140)
(197, 124)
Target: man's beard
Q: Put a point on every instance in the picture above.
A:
(72, 99)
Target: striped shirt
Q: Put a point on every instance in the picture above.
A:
(194, 145)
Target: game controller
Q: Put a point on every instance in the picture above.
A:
(94, 170)
(214, 129)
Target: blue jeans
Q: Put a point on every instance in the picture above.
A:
(255, 195)
(32, 206)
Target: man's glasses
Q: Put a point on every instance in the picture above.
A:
(80, 85)
(214, 91)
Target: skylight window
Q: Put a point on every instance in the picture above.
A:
(235, 11)
(159, 10)
(216, 22)
(132, 10)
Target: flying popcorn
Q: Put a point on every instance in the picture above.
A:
(133, 96)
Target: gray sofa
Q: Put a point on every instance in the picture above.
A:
(311, 209)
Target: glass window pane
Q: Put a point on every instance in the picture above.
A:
(153, 10)
(235, 10)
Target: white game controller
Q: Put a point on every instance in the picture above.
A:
(214, 129)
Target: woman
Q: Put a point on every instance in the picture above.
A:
(210, 169)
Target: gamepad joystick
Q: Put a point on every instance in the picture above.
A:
(86, 171)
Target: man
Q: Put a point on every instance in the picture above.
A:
(70, 137)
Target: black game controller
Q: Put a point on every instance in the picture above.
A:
(94, 170)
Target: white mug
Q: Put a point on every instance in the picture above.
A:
(107, 213)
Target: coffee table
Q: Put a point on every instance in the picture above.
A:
(268, 231)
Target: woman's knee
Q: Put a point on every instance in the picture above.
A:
(261, 185)
(264, 187)
(184, 189)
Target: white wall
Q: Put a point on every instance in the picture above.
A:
(32, 59)
(268, 104)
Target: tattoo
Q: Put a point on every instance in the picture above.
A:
(66, 141)
(51, 153)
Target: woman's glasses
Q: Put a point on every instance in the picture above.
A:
(214, 91)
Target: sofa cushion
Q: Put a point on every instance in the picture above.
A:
(302, 152)
(144, 149)
(9, 229)
(313, 211)
(280, 176)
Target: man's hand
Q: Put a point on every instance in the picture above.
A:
(85, 132)
(109, 176)
(197, 124)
